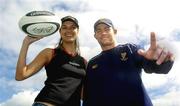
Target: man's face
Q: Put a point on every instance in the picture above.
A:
(105, 34)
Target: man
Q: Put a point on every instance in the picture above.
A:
(114, 76)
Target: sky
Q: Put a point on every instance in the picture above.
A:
(134, 20)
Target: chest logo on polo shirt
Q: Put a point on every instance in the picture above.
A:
(123, 56)
(94, 66)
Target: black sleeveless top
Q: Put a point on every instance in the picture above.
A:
(65, 74)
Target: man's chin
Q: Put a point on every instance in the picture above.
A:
(107, 43)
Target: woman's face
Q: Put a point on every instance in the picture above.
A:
(68, 31)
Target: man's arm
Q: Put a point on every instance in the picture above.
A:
(151, 67)
(156, 58)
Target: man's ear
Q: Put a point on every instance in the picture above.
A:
(95, 35)
(115, 31)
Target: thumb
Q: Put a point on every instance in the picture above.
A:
(141, 52)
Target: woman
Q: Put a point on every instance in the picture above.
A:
(64, 66)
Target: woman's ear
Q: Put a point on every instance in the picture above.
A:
(59, 29)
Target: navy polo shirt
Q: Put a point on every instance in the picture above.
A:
(114, 78)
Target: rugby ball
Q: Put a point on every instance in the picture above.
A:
(39, 23)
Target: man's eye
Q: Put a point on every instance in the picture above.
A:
(107, 29)
(98, 31)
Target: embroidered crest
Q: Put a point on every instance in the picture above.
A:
(124, 56)
(94, 66)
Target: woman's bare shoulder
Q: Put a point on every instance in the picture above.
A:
(48, 53)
